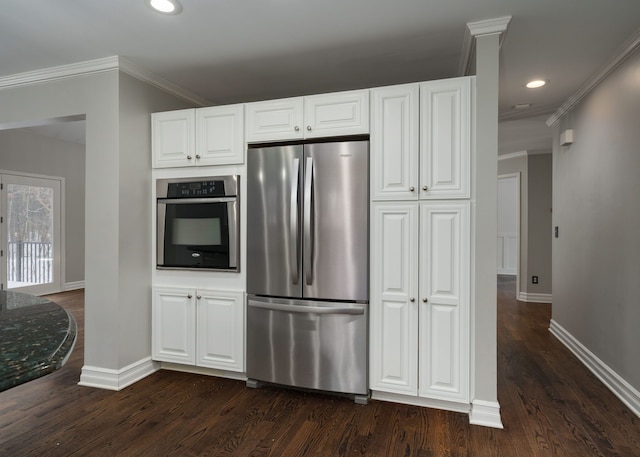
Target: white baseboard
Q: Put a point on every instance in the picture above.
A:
(535, 298)
(105, 378)
(458, 407)
(74, 285)
(485, 413)
(240, 376)
(612, 380)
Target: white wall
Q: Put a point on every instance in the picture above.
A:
(24, 152)
(117, 309)
(596, 259)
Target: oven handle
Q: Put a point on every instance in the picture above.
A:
(355, 310)
(183, 201)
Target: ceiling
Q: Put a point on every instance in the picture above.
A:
(227, 51)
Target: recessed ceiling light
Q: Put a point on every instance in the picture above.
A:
(165, 6)
(536, 83)
(522, 106)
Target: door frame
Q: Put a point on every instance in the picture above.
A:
(518, 227)
(57, 284)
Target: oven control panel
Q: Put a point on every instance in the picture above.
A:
(215, 186)
(196, 189)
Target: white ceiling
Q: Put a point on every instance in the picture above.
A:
(244, 50)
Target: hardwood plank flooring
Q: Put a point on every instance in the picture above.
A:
(551, 406)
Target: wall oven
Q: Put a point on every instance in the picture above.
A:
(198, 223)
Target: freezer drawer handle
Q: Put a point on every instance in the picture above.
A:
(308, 309)
(293, 222)
(308, 222)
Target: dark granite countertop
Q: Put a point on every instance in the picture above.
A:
(36, 337)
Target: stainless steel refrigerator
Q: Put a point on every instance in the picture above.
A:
(308, 265)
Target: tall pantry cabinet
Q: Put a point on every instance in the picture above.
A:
(420, 242)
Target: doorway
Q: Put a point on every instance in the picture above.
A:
(31, 233)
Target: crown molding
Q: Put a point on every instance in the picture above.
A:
(145, 75)
(512, 155)
(627, 49)
(516, 115)
(474, 30)
(90, 67)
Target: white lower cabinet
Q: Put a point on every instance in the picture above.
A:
(420, 299)
(198, 327)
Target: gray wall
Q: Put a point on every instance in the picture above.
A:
(117, 309)
(539, 169)
(535, 169)
(24, 152)
(596, 259)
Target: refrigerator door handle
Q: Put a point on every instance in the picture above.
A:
(308, 223)
(293, 222)
(355, 310)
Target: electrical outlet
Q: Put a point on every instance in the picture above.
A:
(534, 279)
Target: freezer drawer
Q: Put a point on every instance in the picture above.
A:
(315, 345)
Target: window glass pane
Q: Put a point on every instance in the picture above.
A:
(29, 235)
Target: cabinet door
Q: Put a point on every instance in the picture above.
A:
(220, 342)
(172, 134)
(220, 135)
(394, 142)
(394, 310)
(274, 120)
(444, 300)
(445, 138)
(340, 113)
(173, 325)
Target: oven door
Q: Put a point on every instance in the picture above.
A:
(198, 233)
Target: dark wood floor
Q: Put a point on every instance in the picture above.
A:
(551, 406)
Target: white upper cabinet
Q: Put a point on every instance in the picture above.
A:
(220, 135)
(173, 138)
(394, 142)
(341, 113)
(197, 137)
(326, 115)
(445, 138)
(421, 140)
(274, 120)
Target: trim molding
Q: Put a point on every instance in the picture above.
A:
(512, 155)
(535, 298)
(613, 381)
(74, 285)
(105, 378)
(627, 49)
(90, 67)
(476, 29)
(485, 413)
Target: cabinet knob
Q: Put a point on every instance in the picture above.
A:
(412, 299)
(412, 188)
(188, 157)
(296, 128)
(198, 297)
(309, 128)
(425, 188)
(197, 156)
(189, 296)
(425, 300)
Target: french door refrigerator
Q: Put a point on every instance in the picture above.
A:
(308, 265)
